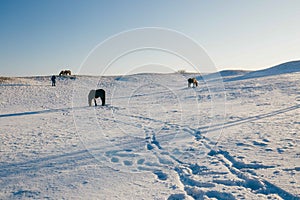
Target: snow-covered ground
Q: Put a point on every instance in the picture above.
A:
(155, 139)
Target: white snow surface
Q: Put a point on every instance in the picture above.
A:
(154, 139)
(284, 68)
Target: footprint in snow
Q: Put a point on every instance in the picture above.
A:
(256, 143)
(160, 175)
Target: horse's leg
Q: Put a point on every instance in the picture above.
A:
(95, 101)
(103, 99)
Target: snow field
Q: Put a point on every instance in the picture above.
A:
(155, 138)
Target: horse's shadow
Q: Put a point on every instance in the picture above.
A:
(40, 112)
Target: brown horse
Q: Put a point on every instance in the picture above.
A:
(65, 72)
(192, 82)
(94, 94)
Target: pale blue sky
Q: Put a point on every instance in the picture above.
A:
(40, 37)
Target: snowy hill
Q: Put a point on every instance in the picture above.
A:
(154, 139)
(224, 74)
(285, 68)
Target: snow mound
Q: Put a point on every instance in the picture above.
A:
(284, 68)
(125, 79)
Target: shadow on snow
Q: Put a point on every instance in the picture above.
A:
(40, 112)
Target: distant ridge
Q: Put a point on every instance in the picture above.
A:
(224, 74)
(284, 68)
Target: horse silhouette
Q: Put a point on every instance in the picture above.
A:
(94, 94)
(65, 72)
(192, 82)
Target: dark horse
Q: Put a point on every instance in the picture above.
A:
(192, 82)
(65, 72)
(94, 94)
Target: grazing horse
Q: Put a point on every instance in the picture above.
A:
(65, 72)
(94, 94)
(192, 82)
